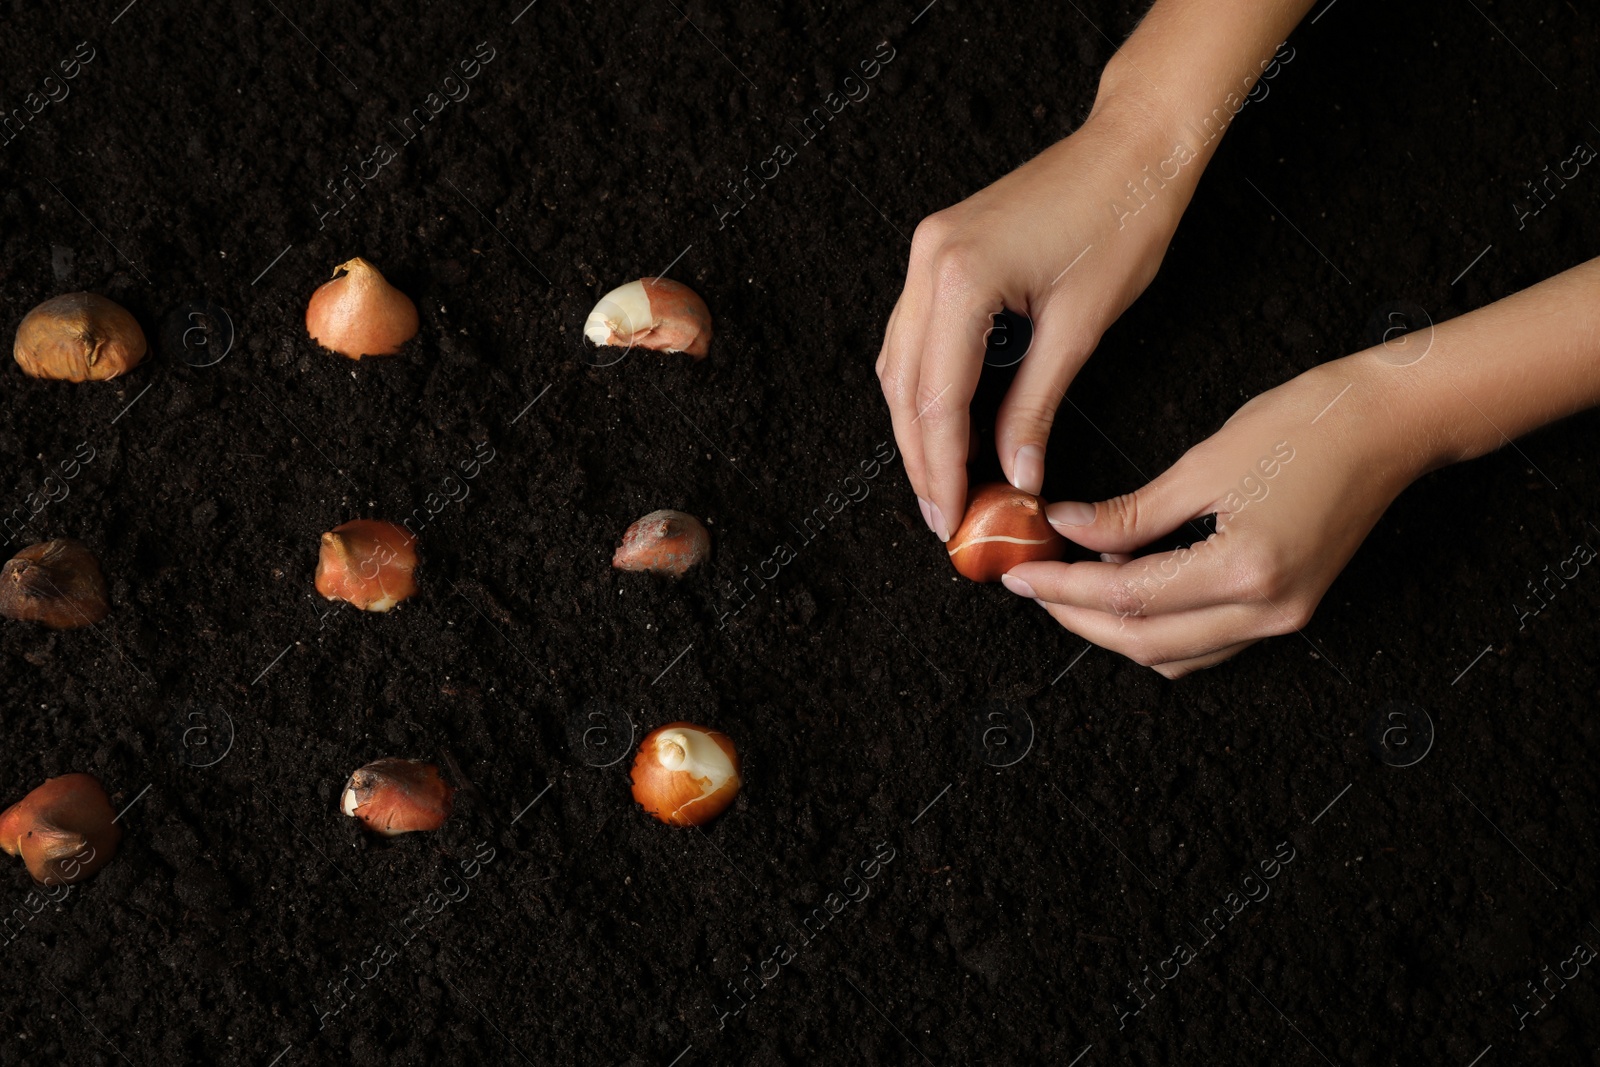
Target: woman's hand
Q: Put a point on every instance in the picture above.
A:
(1070, 239)
(1062, 239)
(1297, 477)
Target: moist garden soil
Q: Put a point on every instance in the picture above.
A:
(963, 833)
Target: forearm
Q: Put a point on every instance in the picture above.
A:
(1511, 367)
(1188, 70)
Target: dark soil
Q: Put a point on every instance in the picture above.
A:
(996, 914)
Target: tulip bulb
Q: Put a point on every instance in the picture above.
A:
(1003, 527)
(368, 563)
(663, 542)
(79, 337)
(654, 313)
(397, 796)
(64, 830)
(57, 583)
(360, 313)
(685, 775)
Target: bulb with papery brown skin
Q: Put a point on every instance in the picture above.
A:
(57, 583)
(397, 796)
(368, 563)
(64, 830)
(655, 313)
(359, 313)
(79, 337)
(685, 775)
(1003, 527)
(663, 542)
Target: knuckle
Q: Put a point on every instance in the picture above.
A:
(953, 267)
(1124, 512)
(933, 403)
(1273, 581)
(896, 389)
(930, 233)
(1295, 616)
(1263, 576)
(1125, 600)
(1029, 415)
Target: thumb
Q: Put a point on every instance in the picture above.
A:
(1129, 522)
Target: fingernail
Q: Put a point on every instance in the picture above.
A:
(1027, 468)
(941, 529)
(1018, 586)
(927, 515)
(1070, 513)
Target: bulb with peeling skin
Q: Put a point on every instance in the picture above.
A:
(57, 583)
(64, 830)
(79, 337)
(655, 313)
(368, 563)
(397, 796)
(685, 775)
(663, 542)
(359, 313)
(1003, 527)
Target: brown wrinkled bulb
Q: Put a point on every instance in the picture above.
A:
(396, 796)
(360, 313)
(64, 830)
(685, 775)
(79, 337)
(1003, 527)
(654, 313)
(368, 563)
(57, 583)
(663, 542)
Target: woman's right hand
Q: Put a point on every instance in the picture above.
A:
(1070, 239)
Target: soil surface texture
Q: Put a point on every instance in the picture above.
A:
(965, 836)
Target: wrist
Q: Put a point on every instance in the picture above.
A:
(1402, 425)
(1149, 166)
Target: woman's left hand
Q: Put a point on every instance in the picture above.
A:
(1297, 478)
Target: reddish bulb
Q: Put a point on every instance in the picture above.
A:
(359, 313)
(397, 796)
(663, 542)
(685, 775)
(64, 830)
(368, 563)
(1003, 527)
